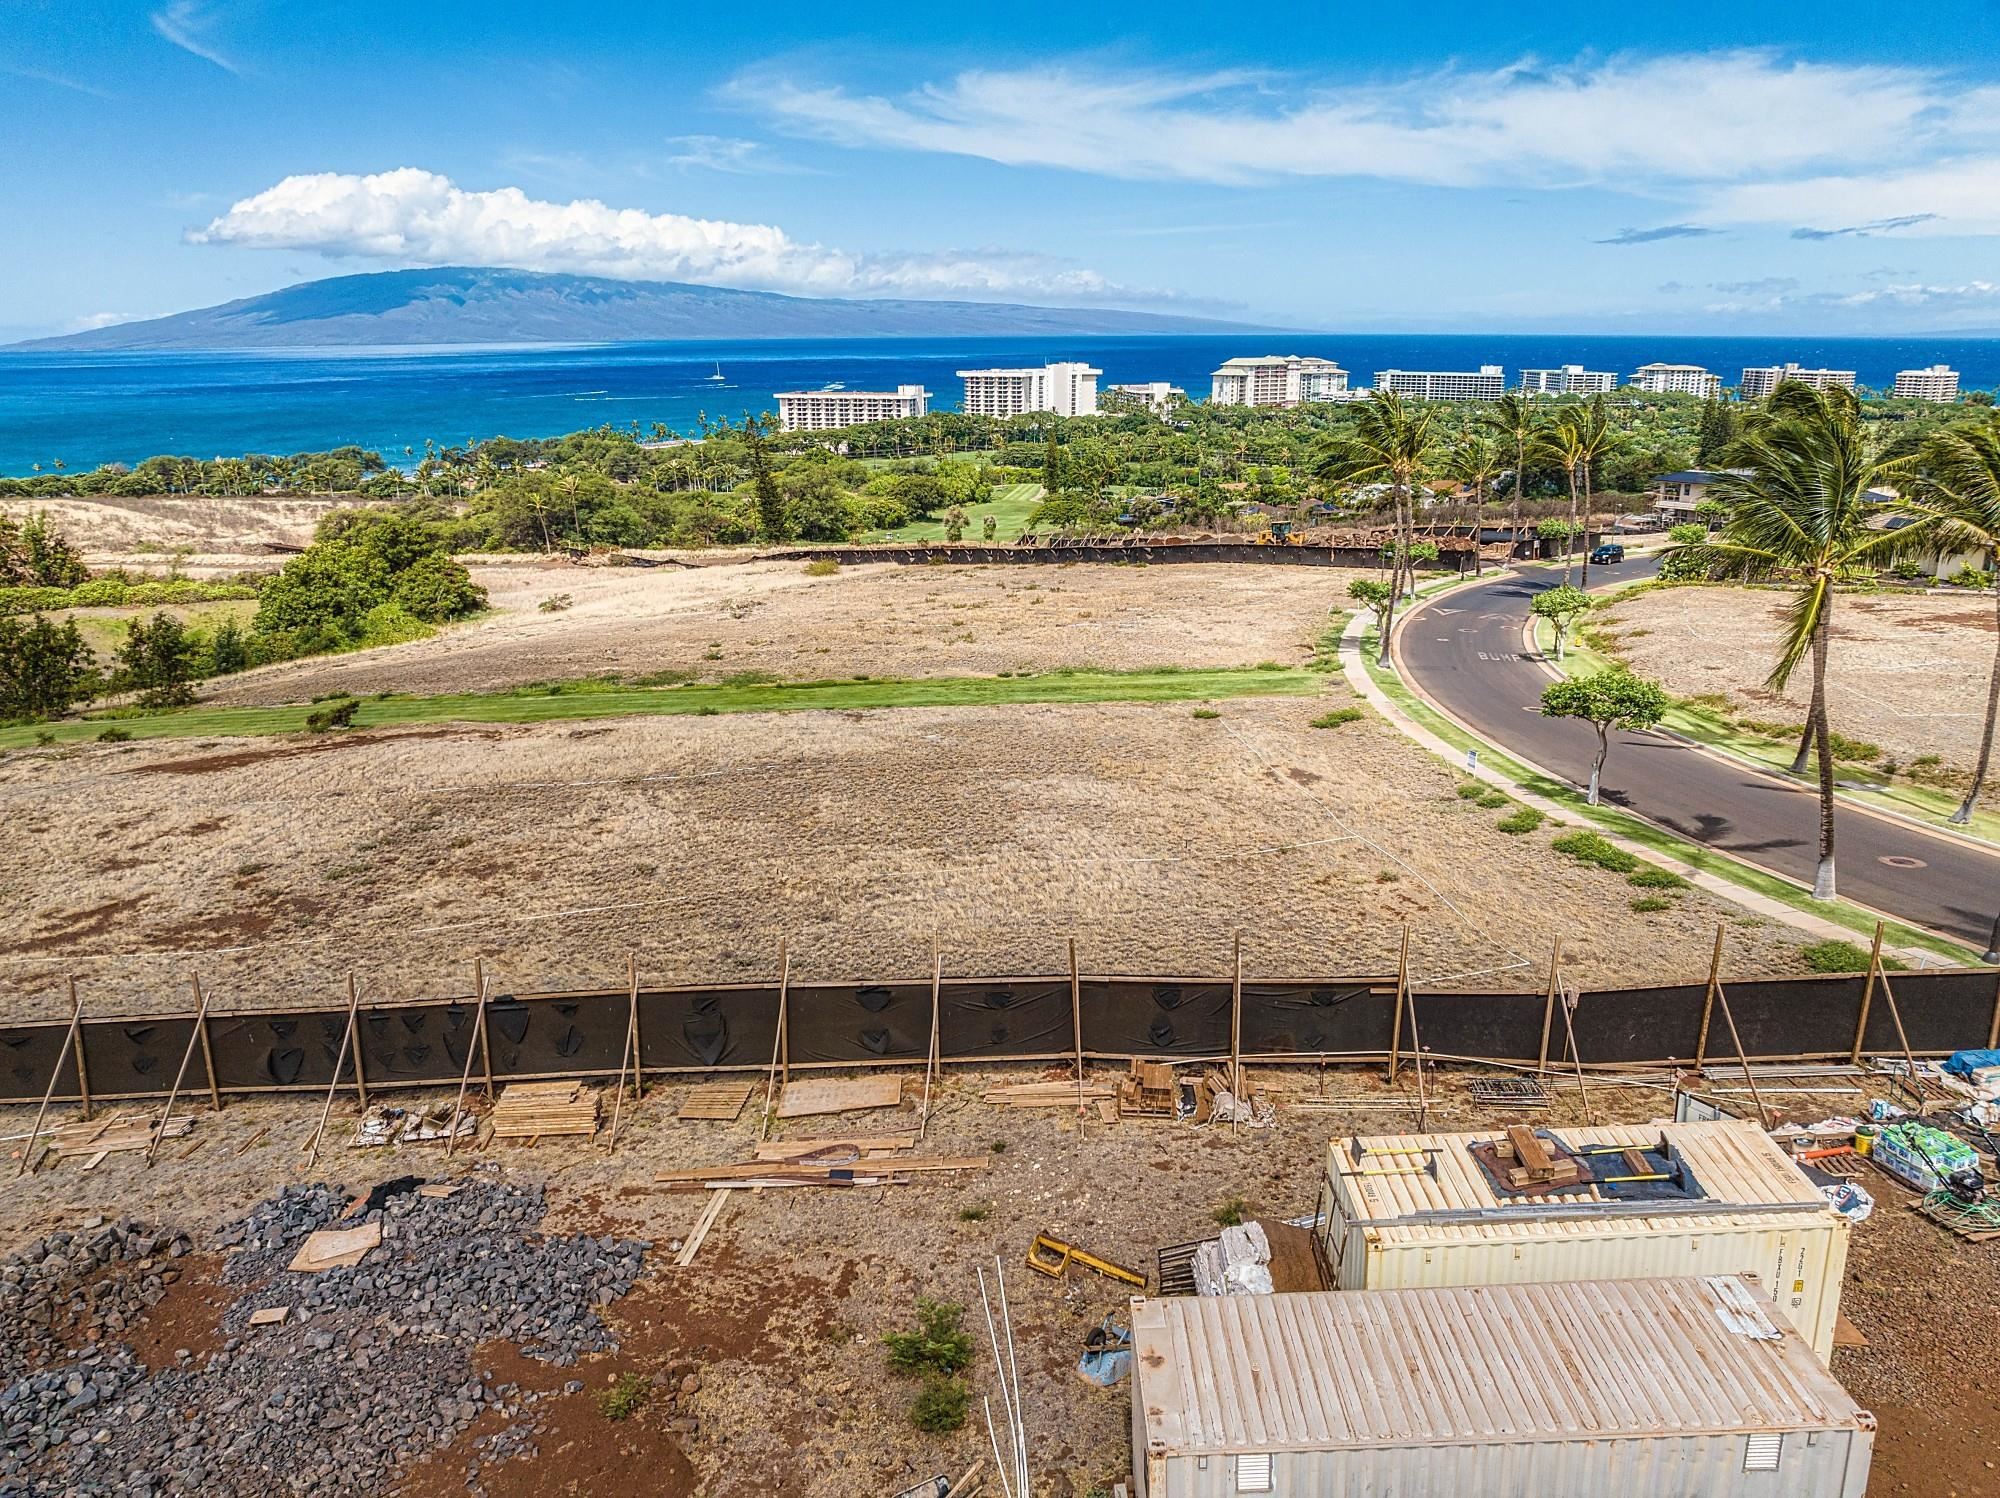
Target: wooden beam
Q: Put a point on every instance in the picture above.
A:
(347, 1038)
(1549, 1006)
(1402, 992)
(1076, 1021)
(777, 1037)
(624, 1050)
(465, 1078)
(1582, 1088)
(1902, 1039)
(638, 1036)
(1708, 1001)
(69, 1039)
(1867, 997)
(931, 1050)
(1763, 1114)
(1992, 1025)
(360, 1071)
(785, 1018)
(200, 1022)
(83, 1069)
(207, 1054)
(485, 1048)
(1236, 1024)
(1417, 1048)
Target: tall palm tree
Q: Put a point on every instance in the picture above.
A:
(1390, 443)
(1474, 460)
(1800, 510)
(1956, 489)
(1516, 421)
(1586, 438)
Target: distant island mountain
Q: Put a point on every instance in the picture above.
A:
(465, 305)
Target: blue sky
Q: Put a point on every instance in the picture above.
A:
(1830, 168)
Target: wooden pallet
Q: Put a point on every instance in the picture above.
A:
(717, 1100)
(536, 1110)
(109, 1136)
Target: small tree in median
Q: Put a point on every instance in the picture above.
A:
(1562, 607)
(1379, 598)
(1610, 699)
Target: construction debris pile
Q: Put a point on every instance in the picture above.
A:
(326, 1382)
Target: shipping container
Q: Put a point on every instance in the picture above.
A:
(1409, 1210)
(1655, 1388)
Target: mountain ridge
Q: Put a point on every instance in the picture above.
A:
(469, 305)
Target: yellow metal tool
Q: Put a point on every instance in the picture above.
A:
(1052, 1256)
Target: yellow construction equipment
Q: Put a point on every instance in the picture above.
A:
(1052, 1256)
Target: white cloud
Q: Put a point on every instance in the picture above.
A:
(95, 320)
(414, 217)
(186, 23)
(1628, 121)
(1959, 196)
(717, 153)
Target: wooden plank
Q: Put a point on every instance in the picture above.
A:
(722, 1101)
(818, 1095)
(1847, 1334)
(336, 1248)
(1528, 1148)
(270, 1316)
(754, 1170)
(709, 1214)
(861, 1144)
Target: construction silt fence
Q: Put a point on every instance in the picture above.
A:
(697, 1029)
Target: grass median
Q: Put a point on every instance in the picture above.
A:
(600, 697)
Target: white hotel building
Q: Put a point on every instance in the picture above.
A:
(1160, 395)
(1571, 379)
(1062, 389)
(827, 410)
(1937, 383)
(1488, 384)
(1277, 380)
(1758, 383)
(1676, 379)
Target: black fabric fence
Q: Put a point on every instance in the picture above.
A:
(739, 1027)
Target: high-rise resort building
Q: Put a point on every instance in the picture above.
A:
(1938, 383)
(1158, 394)
(1571, 379)
(1489, 384)
(1676, 379)
(827, 410)
(1062, 389)
(1758, 383)
(1277, 380)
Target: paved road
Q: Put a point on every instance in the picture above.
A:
(1464, 651)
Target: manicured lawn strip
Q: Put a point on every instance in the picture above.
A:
(1010, 508)
(604, 700)
(1644, 833)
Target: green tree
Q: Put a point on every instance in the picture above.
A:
(954, 523)
(1389, 443)
(1562, 607)
(1474, 460)
(1582, 439)
(228, 651)
(1378, 597)
(1800, 511)
(45, 668)
(1716, 432)
(157, 661)
(1956, 493)
(435, 589)
(772, 519)
(1516, 421)
(1610, 699)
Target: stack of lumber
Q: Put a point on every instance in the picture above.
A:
(532, 1110)
(1150, 1092)
(1047, 1094)
(110, 1135)
(781, 1173)
(1529, 1161)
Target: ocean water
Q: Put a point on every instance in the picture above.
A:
(87, 409)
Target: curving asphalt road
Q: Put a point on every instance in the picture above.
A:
(1464, 651)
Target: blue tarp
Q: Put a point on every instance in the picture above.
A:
(1965, 1063)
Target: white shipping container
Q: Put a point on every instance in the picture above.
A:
(1387, 1222)
(1681, 1388)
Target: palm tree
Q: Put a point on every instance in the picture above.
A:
(1390, 443)
(1956, 491)
(1586, 438)
(1515, 419)
(1475, 460)
(1800, 509)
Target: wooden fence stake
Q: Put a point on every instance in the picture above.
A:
(200, 1022)
(930, 1051)
(777, 1035)
(83, 1070)
(207, 1055)
(485, 1047)
(360, 1070)
(1402, 994)
(1763, 1114)
(1867, 997)
(1582, 1087)
(1992, 1025)
(347, 1038)
(625, 1050)
(1903, 1039)
(1236, 1027)
(69, 1039)
(1417, 1054)
(1708, 1001)
(638, 1036)
(1549, 1006)
(477, 1039)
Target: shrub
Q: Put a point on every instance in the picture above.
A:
(1836, 956)
(940, 1406)
(1231, 1213)
(821, 567)
(114, 736)
(389, 624)
(333, 715)
(1337, 717)
(157, 661)
(1471, 790)
(99, 593)
(1655, 878)
(45, 669)
(973, 1213)
(435, 589)
(227, 650)
(1521, 819)
(555, 603)
(1856, 751)
(1206, 713)
(1589, 847)
(938, 1346)
(1647, 904)
(1492, 800)
(624, 1398)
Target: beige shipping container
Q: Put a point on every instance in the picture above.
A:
(1680, 1388)
(1387, 1223)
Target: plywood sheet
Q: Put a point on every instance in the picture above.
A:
(804, 1099)
(336, 1248)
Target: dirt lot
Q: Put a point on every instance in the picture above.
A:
(273, 866)
(780, 1319)
(883, 619)
(1907, 672)
(219, 535)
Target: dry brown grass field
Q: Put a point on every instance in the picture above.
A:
(217, 535)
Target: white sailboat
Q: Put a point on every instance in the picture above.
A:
(718, 377)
